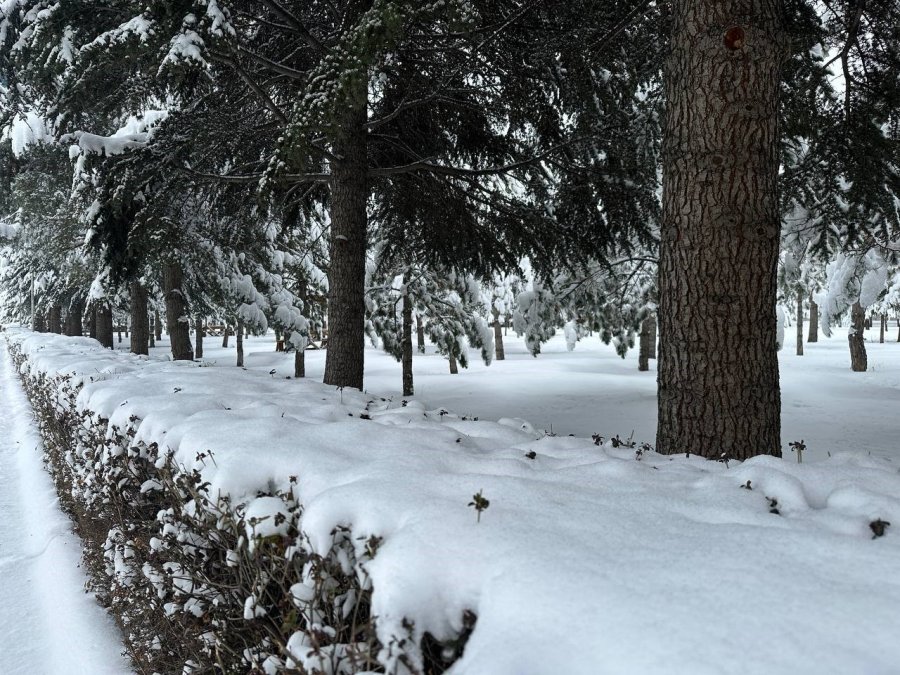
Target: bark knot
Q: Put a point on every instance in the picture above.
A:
(734, 37)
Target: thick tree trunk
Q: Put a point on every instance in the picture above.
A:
(104, 324)
(177, 324)
(157, 325)
(799, 322)
(300, 363)
(499, 353)
(198, 337)
(644, 345)
(140, 319)
(857, 338)
(718, 367)
(74, 322)
(454, 367)
(813, 320)
(420, 334)
(54, 319)
(407, 346)
(346, 294)
(239, 343)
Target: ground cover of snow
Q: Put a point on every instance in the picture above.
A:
(587, 559)
(48, 625)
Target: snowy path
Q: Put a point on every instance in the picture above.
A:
(48, 625)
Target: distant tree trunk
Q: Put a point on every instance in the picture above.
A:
(300, 363)
(420, 334)
(198, 337)
(898, 329)
(644, 346)
(239, 343)
(857, 339)
(813, 320)
(499, 353)
(346, 294)
(225, 334)
(454, 368)
(74, 325)
(718, 365)
(120, 334)
(883, 327)
(104, 324)
(799, 322)
(38, 323)
(406, 347)
(177, 323)
(140, 319)
(157, 325)
(151, 331)
(652, 354)
(54, 319)
(92, 321)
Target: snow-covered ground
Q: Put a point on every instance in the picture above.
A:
(48, 625)
(586, 560)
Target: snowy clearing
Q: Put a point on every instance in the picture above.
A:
(586, 560)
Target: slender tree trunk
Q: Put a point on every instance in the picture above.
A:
(799, 322)
(454, 368)
(239, 343)
(420, 334)
(39, 324)
(644, 346)
(151, 332)
(652, 353)
(718, 366)
(346, 294)
(898, 329)
(499, 353)
(813, 320)
(883, 328)
(225, 334)
(157, 325)
(300, 363)
(75, 321)
(92, 321)
(140, 319)
(54, 319)
(104, 324)
(857, 338)
(177, 324)
(407, 346)
(198, 337)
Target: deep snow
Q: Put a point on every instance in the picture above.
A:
(587, 560)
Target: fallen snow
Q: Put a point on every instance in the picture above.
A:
(587, 560)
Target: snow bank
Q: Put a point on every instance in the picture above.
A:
(587, 559)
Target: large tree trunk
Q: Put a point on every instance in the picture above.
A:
(499, 353)
(140, 319)
(857, 338)
(54, 319)
(300, 363)
(420, 334)
(104, 324)
(198, 337)
(718, 367)
(177, 324)
(813, 320)
(644, 346)
(799, 322)
(346, 294)
(74, 323)
(407, 346)
(239, 343)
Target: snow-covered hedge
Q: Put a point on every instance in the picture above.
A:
(240, 523)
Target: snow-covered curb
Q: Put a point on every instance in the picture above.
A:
(586, 560)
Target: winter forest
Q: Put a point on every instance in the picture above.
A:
(492, 337)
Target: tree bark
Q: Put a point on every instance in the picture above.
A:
(718, 368)
(813, 320)
(239, 343)
(407, 346)
(198, 337)
(54, 319)
(177, 324)
(799, 322)
(104, 324)
(140, 319)
(151, 330)
(74, 322)
(38, 323)
(499, 353)
(454, 367)
(857, 338)
(420, 334)
(300, 363)
(157, 325)
(652, 353)
(92, 322)
(225, 335)
(883, 327)
(644, 345)
(346, 294)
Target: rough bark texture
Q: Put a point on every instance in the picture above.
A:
(239, 343)
(54, 319)
(74, 322)
(104, 325)
(177, 324)
(499, 353)
(652, 353)
(346, 299)
(140, 320)
(799, 322)
(857, 339)
(198, 337)
(813, 320)
(300, 363)
(644, 345)
(407, 347)
(718, 367)
(420, 334)
(454, 367)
